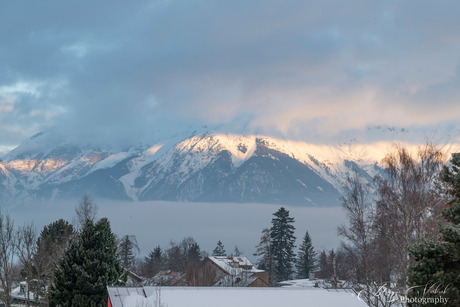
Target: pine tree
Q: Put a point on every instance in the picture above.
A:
(437, 262)
(194, 253)
(193, 268)
(219, 250)
(87, 267)
(283, 244)
(156, 256)
(127, 248)
(154, 263)
(306, 258)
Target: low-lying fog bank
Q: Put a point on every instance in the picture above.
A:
(158, 222)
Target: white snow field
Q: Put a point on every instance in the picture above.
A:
(243, 297)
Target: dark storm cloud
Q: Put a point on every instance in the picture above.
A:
(118, 70)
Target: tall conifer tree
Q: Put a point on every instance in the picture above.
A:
(127, 247)
(155, 262)
(87, 267)
(306, 258)
(283, 244)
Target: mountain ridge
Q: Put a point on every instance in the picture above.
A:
(202, 165)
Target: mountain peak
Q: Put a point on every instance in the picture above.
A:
(204, 164)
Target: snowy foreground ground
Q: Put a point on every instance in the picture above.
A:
(231, 297)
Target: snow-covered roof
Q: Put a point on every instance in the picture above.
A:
(117, 295)
(234, 265)
(168, 277)
(316, 283)
(223, 297)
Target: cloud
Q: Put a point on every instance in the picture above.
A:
(121, 71)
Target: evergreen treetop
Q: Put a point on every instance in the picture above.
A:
(306, 258)
(87, 267)
(57, 231)
(127, 247)
(156, 256)
(194, 253)
(154, 262)
(219, 250)
(283, 244)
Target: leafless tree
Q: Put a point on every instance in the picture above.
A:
(358, 234)
(8, 245)
(409, 203)
(51, 243)
(85, 210)
(237, 252)
(26, 250)
(264, 251)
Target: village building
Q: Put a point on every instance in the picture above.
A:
(133, 279)
(234, 271)
(168, 278)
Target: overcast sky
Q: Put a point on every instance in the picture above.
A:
(118, 70)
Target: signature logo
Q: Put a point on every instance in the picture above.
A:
(435, 288)
(432, 294)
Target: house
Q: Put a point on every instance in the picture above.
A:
(132, 278)
(168, 278)
(234, 271)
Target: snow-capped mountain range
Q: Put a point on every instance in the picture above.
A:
(202, 165)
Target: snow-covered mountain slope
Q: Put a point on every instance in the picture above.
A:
(200, 166)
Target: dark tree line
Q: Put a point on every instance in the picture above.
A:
(184, 258)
